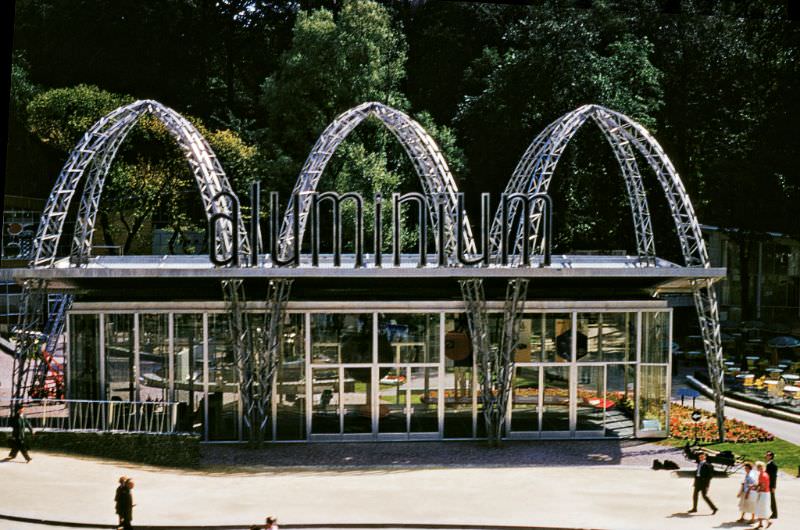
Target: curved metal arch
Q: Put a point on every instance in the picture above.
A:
(96, 151)
(535, 171)
(430, 165)
(540, 161)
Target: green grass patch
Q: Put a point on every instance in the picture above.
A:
(787, 454)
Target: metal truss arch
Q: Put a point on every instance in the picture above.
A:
(94, 154)
(535, 170)
(534, 174)
(432, 169)
(38, 328)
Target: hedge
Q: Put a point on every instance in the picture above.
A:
(173, 450)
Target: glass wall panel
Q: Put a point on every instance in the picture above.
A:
(608, 336)
(344, 338)
(154, 357)
(325, 401)
(357, 400)
(291, 387)
(555, 410)
(549, 336)
(591, 402)
(392, 408)
(655, 337)
(525, 399)
(653, 399)
(620, 393)
(120, 358)
(223, 381)
(424, 411)
(413, 338)
(458, 378)
(188, 363)
(84, 351)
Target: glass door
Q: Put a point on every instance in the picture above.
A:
(356, 398)
(590, 402)
(524, 417)
(325, 402)
(555, 418)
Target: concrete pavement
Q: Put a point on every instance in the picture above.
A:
(74, 489)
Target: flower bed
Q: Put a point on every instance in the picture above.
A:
(682, 427)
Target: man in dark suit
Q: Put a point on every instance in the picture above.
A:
(772, 471)
(702, 479)
(124, 503)
(19, 443)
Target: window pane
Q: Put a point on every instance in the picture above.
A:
(655, 337)
(188, 361)
(618, 340)
(223, 381)
(344, 338)
(291, 389)
(424, 416)
(414, 338)
(458, 381)
(154, 357)
(357, 400)
(392, 399)
(653, 400)
(84, 357)
(591, 402)
(525, 399)
(551, 337)
(325, 401)
(608, 336)
(620, 390)
(555, 411)
(120, 369)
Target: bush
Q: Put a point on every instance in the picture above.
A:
(174, 450)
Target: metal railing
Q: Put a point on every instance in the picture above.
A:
(155, 417)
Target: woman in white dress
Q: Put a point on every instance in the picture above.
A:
(763, 499)
(748, 493)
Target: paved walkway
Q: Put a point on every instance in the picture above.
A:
(620, 496)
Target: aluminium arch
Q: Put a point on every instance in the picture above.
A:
(430, 165)
(94, 154)
(534, 173)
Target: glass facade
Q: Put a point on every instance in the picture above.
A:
(396, 375)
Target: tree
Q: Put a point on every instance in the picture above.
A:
(551, 62)
(149, 184)
(336, 62)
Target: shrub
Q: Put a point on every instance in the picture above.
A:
(175, 450)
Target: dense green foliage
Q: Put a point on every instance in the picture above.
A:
(716, 82)
(178, 450)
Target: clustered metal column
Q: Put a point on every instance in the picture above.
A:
(496, 364)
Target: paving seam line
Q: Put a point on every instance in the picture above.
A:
(735, 403)
(365, 526)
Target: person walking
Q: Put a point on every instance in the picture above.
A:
(702, 480)
(272, 523)
(120, 493)
(19, 444)
(772, 471)
(748, 493)
(762, 501)
(124, 503)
